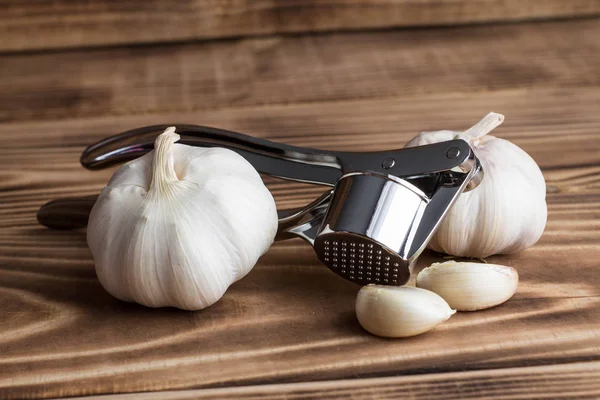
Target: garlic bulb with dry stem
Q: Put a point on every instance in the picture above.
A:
(468, 286)
(391, 311)
(180, 224)
(507, 212)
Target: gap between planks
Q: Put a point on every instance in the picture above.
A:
(65, 24)
(573, 380)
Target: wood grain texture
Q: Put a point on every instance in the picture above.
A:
(289, 327)
(44, 24)
(291, 319)
(570, 381)
(283, 70)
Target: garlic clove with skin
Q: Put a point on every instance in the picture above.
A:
(180, 224)
(468, 286)
(507, 212)
(395, 312)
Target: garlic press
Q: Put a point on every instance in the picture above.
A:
(380, 212)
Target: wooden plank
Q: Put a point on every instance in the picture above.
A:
(45, 24)
(570, 381)
(63, 335)
(282, 70)
(291, 319)
(546, 122)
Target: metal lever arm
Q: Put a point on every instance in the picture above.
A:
(279, 160)
(285, 161)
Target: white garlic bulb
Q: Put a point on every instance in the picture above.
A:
(468, 286)
(180, 224)
(507, 212)
(390, 311)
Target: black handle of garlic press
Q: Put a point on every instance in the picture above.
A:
(279, 160)
(74, 212)
(285, 161)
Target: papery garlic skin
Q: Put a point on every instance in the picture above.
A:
(177, 226)
(468, 286)
(395, 312)
(507, 213)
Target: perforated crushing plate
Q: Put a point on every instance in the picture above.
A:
(361, 260)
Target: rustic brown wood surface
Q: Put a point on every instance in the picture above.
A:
(44, 24)
(572, 381)
(305, 69)
(290, 322)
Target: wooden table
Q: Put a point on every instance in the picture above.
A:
(288, 329)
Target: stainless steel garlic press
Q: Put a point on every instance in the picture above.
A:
(370, 227)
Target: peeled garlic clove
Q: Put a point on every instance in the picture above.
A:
(507, 212)
(468, 286)
(395, 312)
